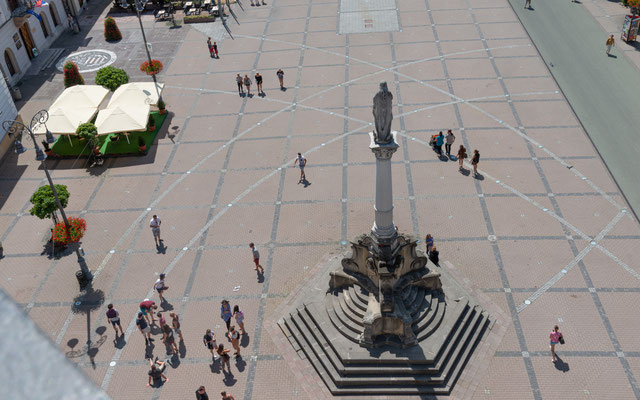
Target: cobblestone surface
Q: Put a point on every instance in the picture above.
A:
(220, 177)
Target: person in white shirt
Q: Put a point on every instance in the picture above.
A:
(154, 224)
(301, 161)
(160, 287)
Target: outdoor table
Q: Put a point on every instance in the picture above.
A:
(188, 4)
(206, 3)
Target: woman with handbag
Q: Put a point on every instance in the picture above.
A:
(554, 337)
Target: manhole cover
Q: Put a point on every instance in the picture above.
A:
(89, 60)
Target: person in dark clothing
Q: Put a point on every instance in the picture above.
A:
(439, 143)
(155, 373)
(474, 161)
(201, 394)
(434, 256)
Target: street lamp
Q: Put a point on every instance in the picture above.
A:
(139, 6)
(16, 127)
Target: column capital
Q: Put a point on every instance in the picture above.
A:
(386, 150)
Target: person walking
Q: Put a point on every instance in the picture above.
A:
(154, 224)
(439, 143)
(224, 356)
(224, 395)
(256, 258)
(160, 287)
(301, 161)
(474, 161)
(209, 340)
(434, 256)
(247, 83)
(201, 394)
(161, 321)
(239, 316)
(210, 47)
(156, 372)
(175, 324)
(114, 317)
(169, 339)
(234, 337)
(462, 154)
(554, 337)
(450, 138)
(280, 75)
(239, 82)
(144, 328)
(428, 240)
(225, 313)
(527, 4)
(146, 308)
(611, 42)
(258, 78)
(215, 49)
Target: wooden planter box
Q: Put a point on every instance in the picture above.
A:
(197, 19)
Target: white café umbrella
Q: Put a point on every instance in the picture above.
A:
(65, 121)
(136, 93)
(122, 119)
(81, 96)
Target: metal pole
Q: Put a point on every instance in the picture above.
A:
(146, 48)
(40, 118)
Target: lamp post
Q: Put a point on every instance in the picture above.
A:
(16, 127)
(139, 6)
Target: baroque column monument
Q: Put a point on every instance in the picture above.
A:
(386, 322)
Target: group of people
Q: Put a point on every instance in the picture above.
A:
(432, 251)
(245, 82)
(440, 139)
(217, 349)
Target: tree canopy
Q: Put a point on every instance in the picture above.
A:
(44, 203)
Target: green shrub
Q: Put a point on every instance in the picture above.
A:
(89, 132)
(44, 203)
(111, 77)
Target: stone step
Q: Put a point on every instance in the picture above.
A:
(341, 327)
(347, 320)
(429, 319)
(420, 306)
(52, 57)
(359, 296)
(347, 298)
(456, 342)
(347, 309)
(412, 294)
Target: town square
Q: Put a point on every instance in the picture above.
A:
(296, 199)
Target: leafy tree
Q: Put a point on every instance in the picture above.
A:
(89, 132)
(111, 31)
(71, 75)
(111, 77)
(44, 203)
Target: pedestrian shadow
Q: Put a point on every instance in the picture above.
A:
(250, 96)
(166, 306)
(244, 342)
(464, 171)
(215, 367)
(260, 277)
(453, 158)
(561, 365)
(479, 177)
(161, 248)
(119, 342)
(284, 89)
(182, 349)
(148, 350)
(228, 380)
(443, 158)
(174, 361)
(612, 56)
(262, 94)
(305, 183)
(240, 364)
(530, 8)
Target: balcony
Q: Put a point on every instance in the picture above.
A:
(19, 10)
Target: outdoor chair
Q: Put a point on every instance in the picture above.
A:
(197, 11)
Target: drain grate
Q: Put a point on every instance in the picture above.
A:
(364, 16)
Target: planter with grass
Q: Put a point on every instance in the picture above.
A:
(152, 68)
(162, 108)
(151, 125)
(197, 19)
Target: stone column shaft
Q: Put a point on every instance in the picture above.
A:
(383, 227)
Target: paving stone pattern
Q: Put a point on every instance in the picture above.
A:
(221, 176)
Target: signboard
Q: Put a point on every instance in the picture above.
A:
(630, 28)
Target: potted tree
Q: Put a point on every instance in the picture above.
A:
(111, 77)
(111, 31)
(151, 125)
(161, 107)
(88, 132)
(142, 145)
(71, 75)
(45, 205)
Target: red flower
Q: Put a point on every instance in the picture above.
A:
(151, 69)
(77, 227)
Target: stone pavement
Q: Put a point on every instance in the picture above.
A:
(543, 231)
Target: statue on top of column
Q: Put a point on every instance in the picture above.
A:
(382, 115)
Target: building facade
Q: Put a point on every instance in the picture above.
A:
(8, 112)
(23, 36)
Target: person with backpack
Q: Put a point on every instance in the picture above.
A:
(439, 143)
(224, 356)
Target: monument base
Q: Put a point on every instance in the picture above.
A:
(421, 348)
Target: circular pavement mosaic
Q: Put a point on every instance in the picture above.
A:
(89, 60)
